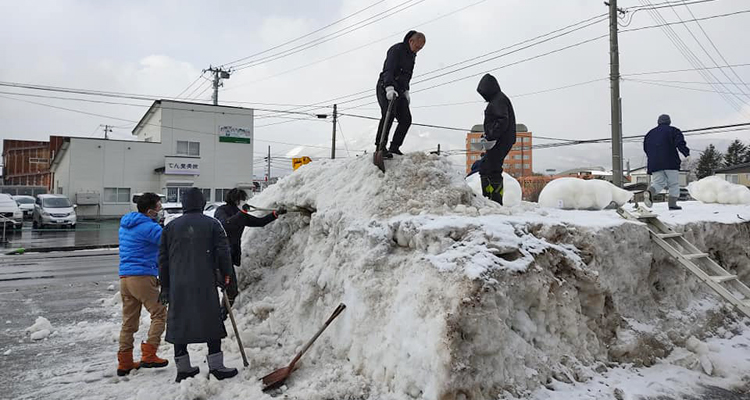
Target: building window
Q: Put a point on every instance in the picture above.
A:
(206, 194)
(525, 156)
(733, 178)
(220, 194)
(185, 148)
(518, 166)
(527, 166)
(526, 139)
(116, 195)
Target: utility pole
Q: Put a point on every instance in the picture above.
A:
(333, 137)
(107, 131)
(268, 173)
(615, 101)
(219, 74)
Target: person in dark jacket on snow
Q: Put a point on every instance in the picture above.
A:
(140, 235)
(393, 83)
(500, 129)
(661, 145)
(193, 248)
(234, 218)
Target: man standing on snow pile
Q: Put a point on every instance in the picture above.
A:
(234, 220)
(499, 134)
(661, 145)
(193, 248)
(393, 83)
(140, 235)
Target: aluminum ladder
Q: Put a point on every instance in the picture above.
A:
(693, 259)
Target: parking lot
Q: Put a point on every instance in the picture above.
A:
(87, 234)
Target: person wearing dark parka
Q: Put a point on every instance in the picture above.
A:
(661, 145)
(500, 131)
(393, 85)
(194, 251)
(234, 217)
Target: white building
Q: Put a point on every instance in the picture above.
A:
(641, 176)
(178, 146)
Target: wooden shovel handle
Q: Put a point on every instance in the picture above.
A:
(335, 314)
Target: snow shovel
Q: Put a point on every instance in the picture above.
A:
(234, 325)
(377, 158)
(277, 378)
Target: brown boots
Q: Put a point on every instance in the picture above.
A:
(125, 363)
(149, 359)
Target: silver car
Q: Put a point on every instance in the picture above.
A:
(53, 209)
(10, 215)
(26, 204)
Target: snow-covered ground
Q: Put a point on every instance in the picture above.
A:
(450, 296)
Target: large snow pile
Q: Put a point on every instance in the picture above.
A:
(447, 296)
(713, 189)
(511, 188)
(581, 194)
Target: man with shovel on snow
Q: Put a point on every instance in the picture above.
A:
(393, 85)
(234, 218)
(499, 137)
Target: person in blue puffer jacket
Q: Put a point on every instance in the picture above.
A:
(140, 236)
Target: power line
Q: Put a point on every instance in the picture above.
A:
(356, 48)
(672, 71)
(190, 85)
(303, 36)
(652, 83)
(325, 39)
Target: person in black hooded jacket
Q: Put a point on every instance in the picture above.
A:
(234, 220)
(193, 248)
(393, 83)
(500, 127)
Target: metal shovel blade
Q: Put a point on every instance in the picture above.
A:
(276, 378)
(377, 159)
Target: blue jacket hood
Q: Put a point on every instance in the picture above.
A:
(134, 219)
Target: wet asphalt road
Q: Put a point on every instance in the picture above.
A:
(87, 233)
(65, 288)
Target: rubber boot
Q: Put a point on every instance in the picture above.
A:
(396, 151)
(648, 197)
(492, 189)
(673, 203)
(216, 366)
(387, 154)
(149, 358)
(125, 363)
(184, 369)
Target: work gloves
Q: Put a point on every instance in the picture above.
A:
(164, 296)
(407, 97)
(390, 93)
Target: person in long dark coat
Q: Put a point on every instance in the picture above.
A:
(234, 220)
(500, 128)
(193, 248)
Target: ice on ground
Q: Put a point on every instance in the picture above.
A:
(111, 288)
(713, 189)
(511, 188)
(7, 352)
(40, 334)
(582, 194)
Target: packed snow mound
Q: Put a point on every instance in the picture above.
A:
(713, 189)
(511, 188)
(581, 194)
(41, 329)
(449, 295)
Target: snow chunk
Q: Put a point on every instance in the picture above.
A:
(111, 288)
(40, 324)
(580, 194)
(39, 335)
(511, 188)
(7, 352)
(713, 189)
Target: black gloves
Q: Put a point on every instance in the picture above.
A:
(222, 281)
(245, 207)
(164, 296)
(280, 211)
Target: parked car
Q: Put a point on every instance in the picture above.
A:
(211, 208)
(26, 204)
(53, 209)
(10, 215)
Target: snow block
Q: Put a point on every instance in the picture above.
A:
(713, 189)
(444, 304)
(581, 194)
(511, 188)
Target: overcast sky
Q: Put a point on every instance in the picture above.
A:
(158, 48)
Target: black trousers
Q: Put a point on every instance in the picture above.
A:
(492, 164)
(180, 349)
(400, 112)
